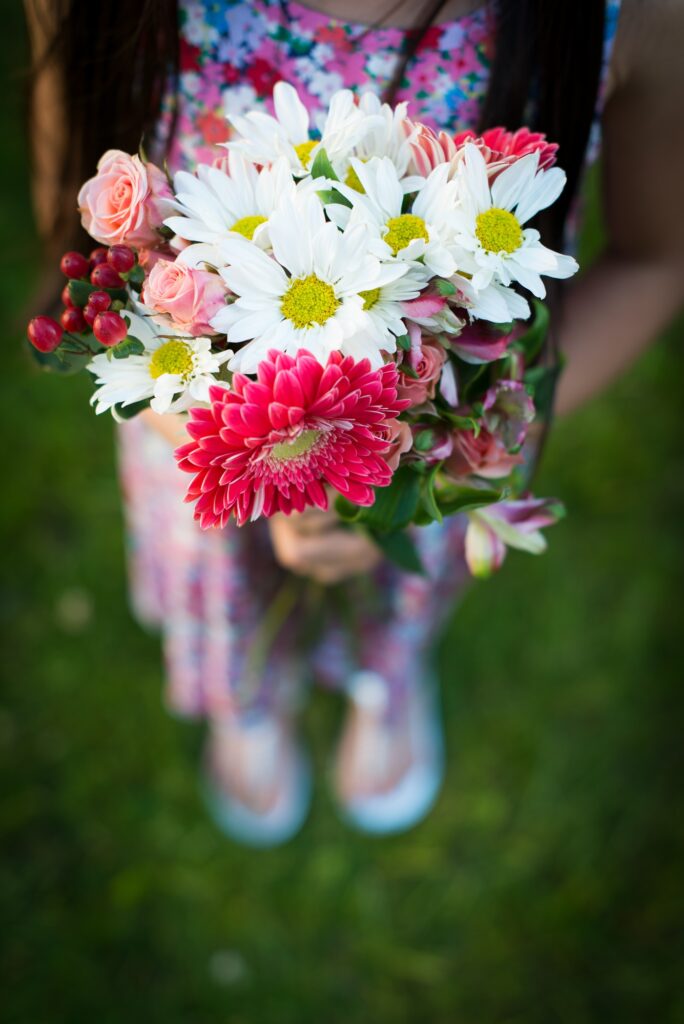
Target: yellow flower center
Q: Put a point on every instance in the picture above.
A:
(498, 230)
(352, 179)
(246, 226)
(403, 229)
(303, 151)
(370, 297)
(309, 301)
(171, 357)
(298, 446)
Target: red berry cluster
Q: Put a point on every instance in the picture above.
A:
(103, 269)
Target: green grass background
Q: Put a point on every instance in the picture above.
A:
(546, 886)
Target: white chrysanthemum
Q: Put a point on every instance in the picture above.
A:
(174, 371)
(425, 233)
(496, 302)
(310, 294)
(386, 135)
(383, 305)
(263, 138)
(490, 219)
(213, 203)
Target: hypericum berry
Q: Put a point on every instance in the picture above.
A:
(73, 320)
(44, 333)
(98, 256)
(109, 328)
(89, 314)
(66, 297)
(121, 258)
(104, 276)
(99, 301)
(74, 265)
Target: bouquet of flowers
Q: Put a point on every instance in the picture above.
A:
(351, 308)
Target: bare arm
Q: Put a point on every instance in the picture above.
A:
(635, 289)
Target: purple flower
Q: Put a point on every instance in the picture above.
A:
(480, 343)
(508, 410)
(514, 524)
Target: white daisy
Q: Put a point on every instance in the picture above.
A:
(383, 305)
(388, 133)
(213, 203)
(264, 138)
(310, 294)
(425, 233)
(175, 370)
(496, 302)
(490, 219)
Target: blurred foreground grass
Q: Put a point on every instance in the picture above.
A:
(546, 886)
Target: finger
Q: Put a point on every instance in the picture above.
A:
(314, 521)
(340, 553)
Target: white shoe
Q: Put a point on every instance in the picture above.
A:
(287, 815)
(408, 802)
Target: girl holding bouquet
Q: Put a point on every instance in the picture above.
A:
(232, 625)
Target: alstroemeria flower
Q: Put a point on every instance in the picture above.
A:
(508, 410)
(480, 343)
(513, 524)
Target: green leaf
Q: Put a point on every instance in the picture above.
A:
(395, 505)
(404, 342)
(399, 548)
(80, 291)
(532, 340)
(322, 168)
(136, 275)
(445, 287)
(128, 347)
(462, 422)
(427, 493)
(453, 498)
(331, 195)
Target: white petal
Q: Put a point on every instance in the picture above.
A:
(511, 184)
(545, 189)
(475, 178)
(291, 112)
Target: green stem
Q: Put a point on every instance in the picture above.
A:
(272, 622)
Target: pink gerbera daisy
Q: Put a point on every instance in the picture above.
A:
(499, 148)
(498, 144)
(269, 445)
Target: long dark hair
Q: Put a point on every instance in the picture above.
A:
(116, 59)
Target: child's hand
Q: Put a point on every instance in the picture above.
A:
(314, 544)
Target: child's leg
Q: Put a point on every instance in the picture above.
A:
(208, 590)
(392, 727)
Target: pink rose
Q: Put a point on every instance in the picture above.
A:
(160, 202)
(400, 439)
(427, 364)
(126, 201)
(147, 258)
(189, 297)
(483, 455)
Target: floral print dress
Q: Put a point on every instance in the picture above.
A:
(218, 595)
